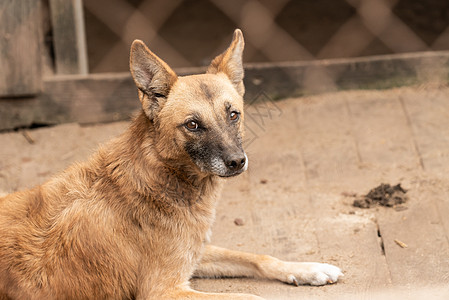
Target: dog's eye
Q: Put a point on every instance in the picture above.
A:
(234, 116)
(192, 125)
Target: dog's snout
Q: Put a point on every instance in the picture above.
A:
(236, 162)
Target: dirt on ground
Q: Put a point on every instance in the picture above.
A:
(384, 195)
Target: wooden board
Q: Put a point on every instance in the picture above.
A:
(74, 99)
(274, 80)
(299, 218)
(331, 155)
(69, 37)
(26, 162)
(298, 78)
(442, 205)
(351, 242)
(382, 133)
(20, 44)
(424, 260)
(424, 227)
(432, 144)
(386, 143)
(328, 148)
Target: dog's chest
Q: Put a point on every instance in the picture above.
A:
(175, 245)
(176, 234)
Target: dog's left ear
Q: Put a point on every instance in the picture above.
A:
(230, 62)
(152, 76)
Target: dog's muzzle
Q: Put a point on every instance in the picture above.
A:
(234, 165)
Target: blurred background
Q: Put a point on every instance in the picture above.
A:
(189, 33)
(293, 48)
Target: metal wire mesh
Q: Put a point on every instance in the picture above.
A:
(189, 33)
(272, 28)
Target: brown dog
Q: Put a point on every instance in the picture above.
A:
(133, 221)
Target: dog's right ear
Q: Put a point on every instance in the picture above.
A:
(153, 77)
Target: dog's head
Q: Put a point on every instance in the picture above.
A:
(197, 119)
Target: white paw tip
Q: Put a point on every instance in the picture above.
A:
(326, 274)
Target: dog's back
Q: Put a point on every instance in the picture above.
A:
(57, 240)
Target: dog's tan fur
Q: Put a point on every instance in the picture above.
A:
(133, 221)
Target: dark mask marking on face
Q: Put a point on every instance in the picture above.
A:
(208, 93)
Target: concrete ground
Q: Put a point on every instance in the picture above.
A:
(308, 158)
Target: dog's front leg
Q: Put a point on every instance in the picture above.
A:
(219, 262)
(187, 293)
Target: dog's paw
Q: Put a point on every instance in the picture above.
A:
(306, 273)
(313, 273)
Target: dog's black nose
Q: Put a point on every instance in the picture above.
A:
(236, 162)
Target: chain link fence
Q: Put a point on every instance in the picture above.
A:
(189, 33)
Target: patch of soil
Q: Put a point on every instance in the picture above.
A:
(384, 195)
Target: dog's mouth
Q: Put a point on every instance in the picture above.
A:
(226, 170)
(229, 176)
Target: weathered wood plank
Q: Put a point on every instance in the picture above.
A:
(325, 131)
(83, 99)
(69, 36)
(279, 218)
(386, 143)
(289, 79)
(424, 260)
(328, 148)
(429, 117)
(351, 241)
(272, 125)
(428, 114)
(274, 80)
(383, 135)
(442, 205)
(37, 162)
(20, 44)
